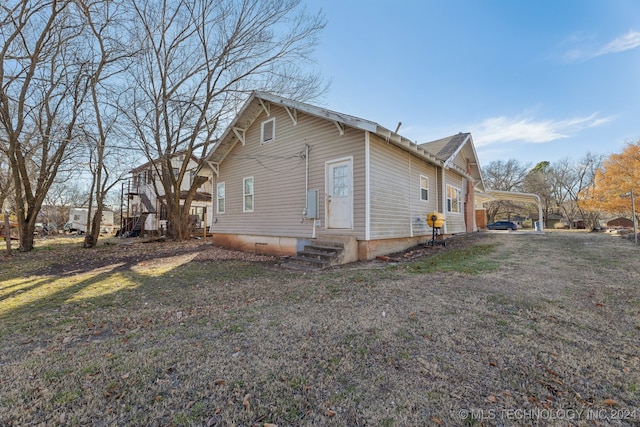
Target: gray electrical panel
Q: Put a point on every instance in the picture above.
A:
(312, 204)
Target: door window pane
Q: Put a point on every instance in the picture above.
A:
(341, 181)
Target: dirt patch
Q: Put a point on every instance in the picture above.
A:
(201, 336)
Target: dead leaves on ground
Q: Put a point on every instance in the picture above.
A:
(246, 402)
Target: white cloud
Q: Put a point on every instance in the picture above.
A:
(629, 41)
(530, 130)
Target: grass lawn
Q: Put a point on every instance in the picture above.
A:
(494, 329)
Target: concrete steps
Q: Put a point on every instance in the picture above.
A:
(316, 256)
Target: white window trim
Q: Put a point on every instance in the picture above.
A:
(218, 198)
(458, 194)
(273, 134)
(424, 188)
(244, 195)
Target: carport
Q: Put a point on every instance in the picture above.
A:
(492, 195)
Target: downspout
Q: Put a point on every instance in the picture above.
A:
(443, 200)
(214, 195)
(409, 191)
(306, 173)
(367, 186)
(306, 190)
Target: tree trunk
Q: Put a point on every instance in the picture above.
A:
(7, 232)
(26, 236)
(178, 229)
(93, 233)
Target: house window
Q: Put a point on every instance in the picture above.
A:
(220, 196)
(198, 212)
(424, 188)
(268, 132)
(149, 174)
(454, 201)
(247, 185)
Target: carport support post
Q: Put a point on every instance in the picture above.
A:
(540, 219)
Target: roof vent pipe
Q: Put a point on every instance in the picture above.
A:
(398, 127)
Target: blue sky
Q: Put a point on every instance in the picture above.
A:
(531, 80)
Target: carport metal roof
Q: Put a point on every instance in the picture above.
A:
(492, 195)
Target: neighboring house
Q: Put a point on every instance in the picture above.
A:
(287, 173)
(145, 212)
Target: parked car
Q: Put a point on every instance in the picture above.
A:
(502, 225)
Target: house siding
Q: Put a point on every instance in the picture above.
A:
(279, 172)
(454, 220)
(156, 192)
(396, 208)
(460, 161)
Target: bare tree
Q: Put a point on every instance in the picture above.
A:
(6, 189)
(41, 91)
(111, 54)
(539, 181)
(568, 179)
(6, 179)
(199, 59)
(61, 197)
(504, 176)
(69, 193)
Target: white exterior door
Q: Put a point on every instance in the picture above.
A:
(340, 194)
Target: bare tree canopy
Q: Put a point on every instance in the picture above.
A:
(569, 178)
(504, 176)
(81, 80)
(41, 91)
(198, 60)
(107, 23)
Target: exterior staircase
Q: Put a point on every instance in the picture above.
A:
(147, 203)
(316, 256)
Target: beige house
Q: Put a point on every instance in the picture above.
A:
(145, 209)
(287, 174)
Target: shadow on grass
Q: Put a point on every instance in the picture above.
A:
(101, 278)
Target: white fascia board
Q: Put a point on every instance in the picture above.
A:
(455, 153)
(345, 119)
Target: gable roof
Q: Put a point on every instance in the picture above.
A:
(446, 149)
(261, 101)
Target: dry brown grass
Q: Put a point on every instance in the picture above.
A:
(165, 334)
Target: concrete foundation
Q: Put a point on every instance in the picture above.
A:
(354, 250)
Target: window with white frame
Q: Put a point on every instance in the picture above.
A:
(197, 211)
(220, 197)
(247, 185)
(268, 132)
(424, 188)
(454, 201)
